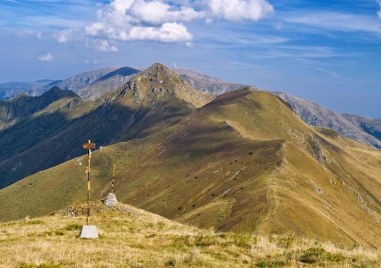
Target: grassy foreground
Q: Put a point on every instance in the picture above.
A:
(131, 237)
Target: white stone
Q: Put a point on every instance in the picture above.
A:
(111, 200)
(89, 232)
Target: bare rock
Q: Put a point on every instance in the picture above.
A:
(111, 200)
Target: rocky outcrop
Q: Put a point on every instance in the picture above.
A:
(110, 200)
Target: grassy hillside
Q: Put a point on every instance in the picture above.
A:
(152, 100)
(34, 143)
(130, 237)
(21, 106)
(244, 162)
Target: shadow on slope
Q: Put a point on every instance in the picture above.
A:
(244, 162)
(124, 71)
(50, 139)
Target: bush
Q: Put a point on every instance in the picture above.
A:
(316, 255)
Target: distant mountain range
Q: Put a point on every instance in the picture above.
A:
(107, 83)
(355, 127)
(206, 83)
(94, 84)
(242, 161)
(369, 125)
(11, 89)
(88, 85)
(362, 129)
(58, 118)
(23, 105)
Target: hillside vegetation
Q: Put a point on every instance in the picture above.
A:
(155, 98)
(130, 237)
(23, 106)
(244, 162)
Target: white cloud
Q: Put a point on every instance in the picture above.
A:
(132, 20)
(69, 35)
(105, 46)
(63, 36)
(238, 10)
(160, 20)
(338, 21)
(95, 28)
(157, 12)
(46, 57)
(328, 72)
(168, 32)
(379, 12)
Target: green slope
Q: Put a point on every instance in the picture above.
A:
(152, 100)
(244, 162)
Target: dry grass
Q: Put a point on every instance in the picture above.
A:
(242, 163)
(130, 237)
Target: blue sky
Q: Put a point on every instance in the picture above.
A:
(325, 51)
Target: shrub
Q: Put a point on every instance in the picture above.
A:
(316, 255)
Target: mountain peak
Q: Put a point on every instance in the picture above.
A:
(160, 83)
(57, 93)
(159, 73)
(158, 69)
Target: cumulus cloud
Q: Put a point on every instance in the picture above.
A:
(104, 46)
(238, 10)
(161, 20)
(156, 12)
(379, 12)
(132, 20)
(46, 57)
(168, 32)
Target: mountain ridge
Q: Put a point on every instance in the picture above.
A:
(244, 162)
(107, 83)
(144, 100)
(312, 114)
(11, 89)
(23, 105)
(316, 115)
(205, 82)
